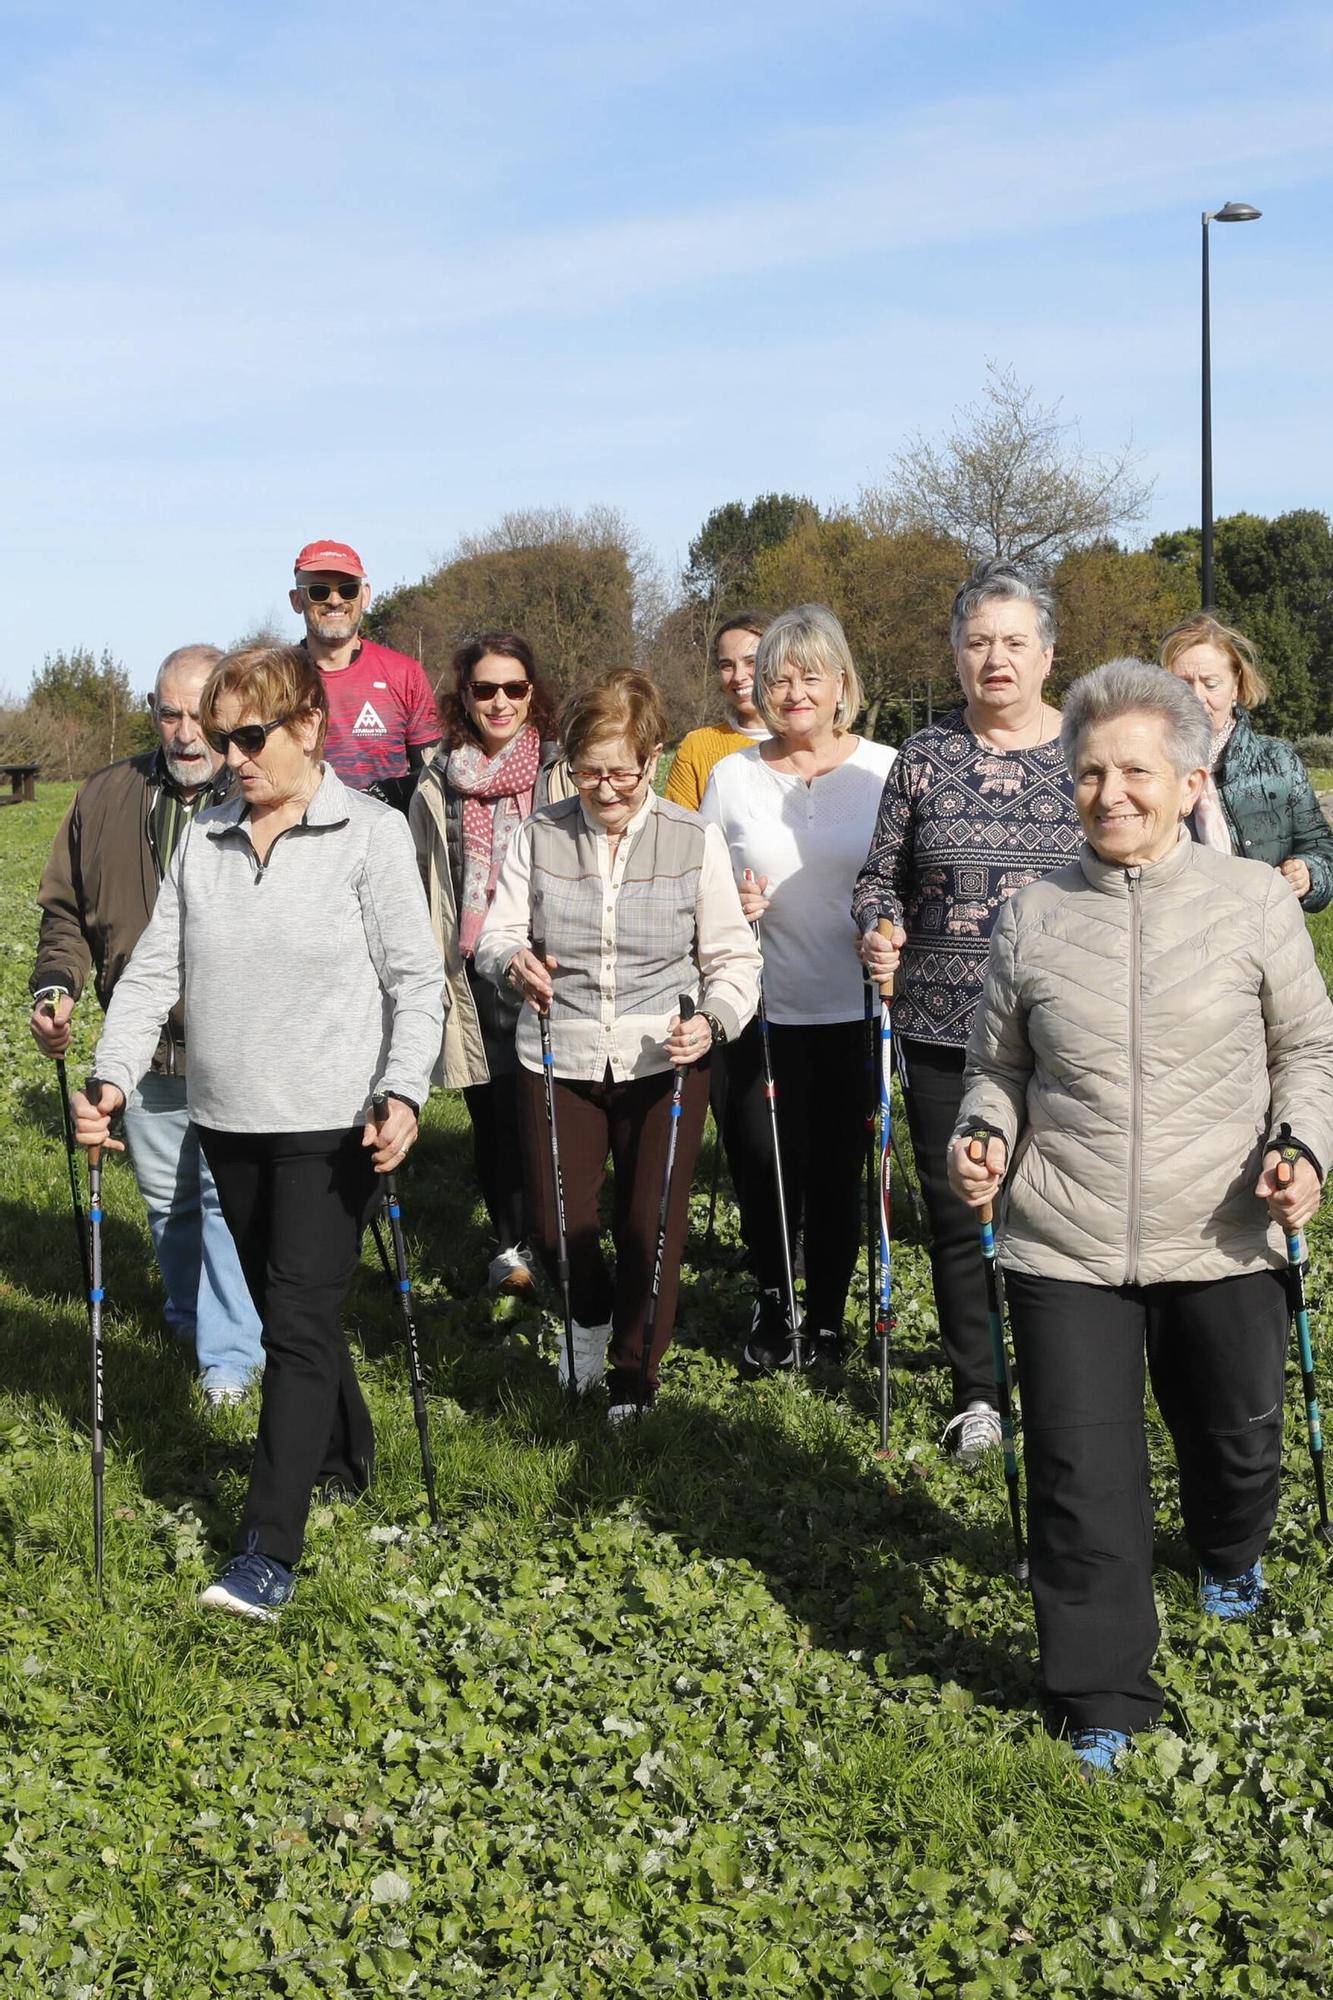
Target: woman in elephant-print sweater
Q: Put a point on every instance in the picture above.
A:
(1258, 802)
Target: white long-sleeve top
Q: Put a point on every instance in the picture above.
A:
(809, 837)
(629, 935)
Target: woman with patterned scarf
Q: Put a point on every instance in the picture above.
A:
(1258, 801)
(496, 762)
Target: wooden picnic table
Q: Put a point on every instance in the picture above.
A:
(22, 784)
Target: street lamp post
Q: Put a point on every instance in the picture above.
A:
(1234, 211)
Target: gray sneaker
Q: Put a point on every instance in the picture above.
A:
(972, 1433)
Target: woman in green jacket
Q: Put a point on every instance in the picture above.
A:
(1258, 801)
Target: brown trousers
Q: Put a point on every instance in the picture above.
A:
(631, 1122)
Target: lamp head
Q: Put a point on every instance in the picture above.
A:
(1235, 211)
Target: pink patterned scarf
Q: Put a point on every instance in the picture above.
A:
(497, 795)
(1209, 817)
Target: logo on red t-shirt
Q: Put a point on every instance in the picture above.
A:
(368, 723)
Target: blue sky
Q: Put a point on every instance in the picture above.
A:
(283, 270)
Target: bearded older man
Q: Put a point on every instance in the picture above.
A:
(97, 894)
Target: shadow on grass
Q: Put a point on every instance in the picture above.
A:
(862, 1554)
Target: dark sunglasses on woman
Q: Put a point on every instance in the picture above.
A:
(487, 690)
(249, 739)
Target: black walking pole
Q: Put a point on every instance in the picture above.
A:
(1314, 1429)
(403, 1287)
(659, 1256)
(93, 1092)
(561, 1242)
(978, 1141)
(771, 1096)
(710, 1239)
(67, 1118)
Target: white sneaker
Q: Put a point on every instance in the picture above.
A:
(512, 1270)
(977, 1430)
(622, 1413)
(590, 1344)
(225, 1397)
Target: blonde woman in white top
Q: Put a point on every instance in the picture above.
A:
(797, 813)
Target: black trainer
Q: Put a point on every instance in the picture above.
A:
(770, 1349)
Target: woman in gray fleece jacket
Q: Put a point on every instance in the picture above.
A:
(293, 923)
(1153, 1029)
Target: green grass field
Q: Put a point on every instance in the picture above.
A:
(725, 1708)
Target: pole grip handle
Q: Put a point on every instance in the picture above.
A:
(885, 929)
(92, 1090)
(976, 1150)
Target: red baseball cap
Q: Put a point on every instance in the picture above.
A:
(333, 556)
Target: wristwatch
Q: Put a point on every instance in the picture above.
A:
(719, 1033)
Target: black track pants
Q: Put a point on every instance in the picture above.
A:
(932, 1078)
(822, 1089)
(297, 1204)
(1215, 1356)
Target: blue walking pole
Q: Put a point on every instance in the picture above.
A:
(978, 1141)
(1314, 1429)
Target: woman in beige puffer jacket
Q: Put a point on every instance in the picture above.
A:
(1153, 1024)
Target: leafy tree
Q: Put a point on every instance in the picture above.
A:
(83, 711)
(720, 572)
(1274, 582)
(1012, 478)
(1113, 602)
(564, 581)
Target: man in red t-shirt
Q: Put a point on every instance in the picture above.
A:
(382, 717)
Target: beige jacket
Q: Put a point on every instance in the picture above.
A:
(1142, 1032)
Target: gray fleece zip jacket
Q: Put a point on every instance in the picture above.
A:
(311, 981)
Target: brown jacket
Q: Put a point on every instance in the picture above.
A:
(100, 884)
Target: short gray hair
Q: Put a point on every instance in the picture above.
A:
(993, 577)
(206, 656)
(1133, 687)
(810, 638)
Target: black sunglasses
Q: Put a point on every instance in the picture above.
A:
(320, 593)
(249, 739)
(487, 690)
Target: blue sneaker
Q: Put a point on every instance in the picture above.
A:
(1097, 1749)
(1232, 1596)
(251, 1585)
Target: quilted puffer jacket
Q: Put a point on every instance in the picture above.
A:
(1142, 1032)
(1271, 810)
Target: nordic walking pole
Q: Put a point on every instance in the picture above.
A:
(978, 1141)
(872, 1110)
(710, 1239)
(378, 1235)
(92, 1090)
(771, 1096)
(561, 1242)
(67, 1117)
(403, 1287)
(884, 1313)
(1314, 1429)
(659, 1257)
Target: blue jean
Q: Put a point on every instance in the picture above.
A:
(208, 1300)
